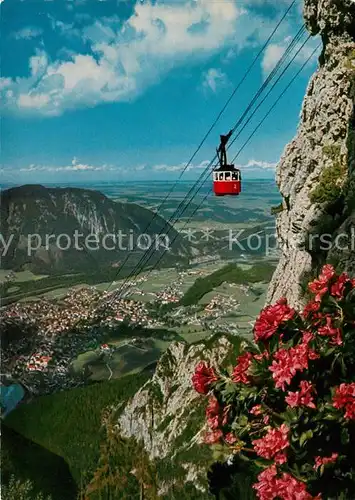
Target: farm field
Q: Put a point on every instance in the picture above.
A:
(127, 358)
(250, 303)
(21, 275)
(156, 282)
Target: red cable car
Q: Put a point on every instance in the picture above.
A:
(227, 179)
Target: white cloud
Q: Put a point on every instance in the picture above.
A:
(5, 83)
(180, 167)
(257, 164)
(75, 166)
(214, 79)
(168, 168)
(27, 33)
(251, 164)
(36, 101)
(274, 52)
(127, 58)
(65, 29)
(82, 169)
(271, 56)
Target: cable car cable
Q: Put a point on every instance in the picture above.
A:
(267, 114)
(272, 74)
(215, 121)
(295, 40)
(275, 104)
(150, 252)
(250, 136)
(267, 95)
(256, 96)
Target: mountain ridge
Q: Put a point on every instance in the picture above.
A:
(38, 222)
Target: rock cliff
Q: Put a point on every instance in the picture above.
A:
(316, 174)
(167, 415)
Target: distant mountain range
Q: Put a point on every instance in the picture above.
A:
(53, 230)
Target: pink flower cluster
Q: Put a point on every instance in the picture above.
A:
(230, 438)
(213, 437)
(257, 411)
(311, 310)
(253, 414)
(303, 397)
(320, 286)
(285, 487)
(216, 417)
(272, 445)
(328, 330)
(213, 413)
(271, 318)
(319, 461)
(325, 283)
(338, 288)
(240, 372)
(203, 377)
(288, 361)
(344, 398)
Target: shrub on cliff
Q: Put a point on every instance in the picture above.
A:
(288, 406)
(332, 178)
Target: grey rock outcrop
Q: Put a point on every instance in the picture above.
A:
(167, 414)
(316, 172)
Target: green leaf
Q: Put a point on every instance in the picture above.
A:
(218, 447)
(262, 463)
(220, 452)
(294, 437)
(343, 368)
(345, 438)
(305, 436)
(332, 300)
(230, 368)
(290, 415)
(230, 388)
(330, 351)
(243, 421)
(331, 416)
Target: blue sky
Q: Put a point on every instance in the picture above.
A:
(121, 90)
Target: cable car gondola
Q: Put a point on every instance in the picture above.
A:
(226, 178)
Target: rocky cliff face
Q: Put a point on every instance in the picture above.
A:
(167, 415)
(71, 229)
(316, 174)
